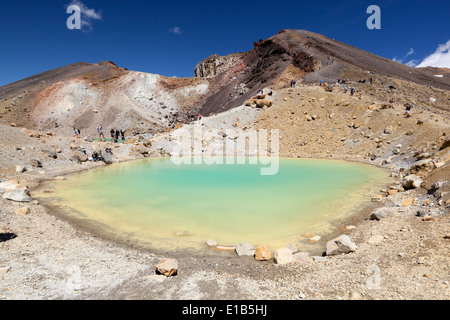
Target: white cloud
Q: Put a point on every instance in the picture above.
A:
(87, 15)
(410, 52)
(176, 30)
(412, 63)
(439, 58)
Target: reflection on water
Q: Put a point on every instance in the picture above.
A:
(157, 203)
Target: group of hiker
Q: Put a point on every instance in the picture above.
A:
(115, 134)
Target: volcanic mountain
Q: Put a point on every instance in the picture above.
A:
(84, 95)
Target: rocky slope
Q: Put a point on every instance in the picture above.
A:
(86, 95)
(305, 57)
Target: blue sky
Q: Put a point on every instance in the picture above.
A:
(170, 37)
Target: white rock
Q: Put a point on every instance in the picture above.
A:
(18, 194)
(211, 243)
(411, 182)
(245, 249)
(283, 256)
(20, 169)
(339, 245)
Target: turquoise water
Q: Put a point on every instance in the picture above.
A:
(158, 204)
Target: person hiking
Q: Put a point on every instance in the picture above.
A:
(100, 133)
(352, 91)
(408, 110)
(122, 133)
(112, 132)
(320, 83)
(76, 132)
(117, 134)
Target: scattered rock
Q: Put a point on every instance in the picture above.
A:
(18, 194)
(107, 158)
(446, 144)
(339, 245)
(263, 102)
(381, 213)
(422, 213)
(211, 243)
(167, 267)
(283, 256)
(411, 182)
(392, 192)
(262, 253)
(20, 168)
(245, 249)
(314, 239)
(388, 130)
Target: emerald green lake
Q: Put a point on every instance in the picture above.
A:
(157, 204)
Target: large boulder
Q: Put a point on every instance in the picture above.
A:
(167, 267)
(381, 213)
(245, 249)
(283, 256)
(446, 144)
(422, 166)
(262, 253)
(412, 181)
(107, 158)
(263, 103)
(339, 245)
(18, 194)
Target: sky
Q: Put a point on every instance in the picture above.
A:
(171, 37)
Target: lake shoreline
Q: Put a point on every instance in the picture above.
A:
(106, 232)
